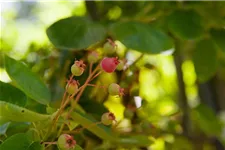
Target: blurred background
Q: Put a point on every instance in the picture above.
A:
(166, 98)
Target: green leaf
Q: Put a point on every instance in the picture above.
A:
(18, 141)
(75, 33)
(12, 95)
(141, 37)
(36, 146)
(33, 134)
(137, 140)
(185, 24)
(20, 114)
(218, 37)
(105, 132)
(205, 60)
(77, 147)
(3, 120)
(207, 120)
(17, 127)
(182, 143)
(88, 122)
(27, 81)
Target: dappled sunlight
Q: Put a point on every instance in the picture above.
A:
(114, 105)
(4, 76)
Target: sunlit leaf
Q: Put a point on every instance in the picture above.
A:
(141, 37)
(20, 114)
(12, 95)
(27, 81)
(75, 33)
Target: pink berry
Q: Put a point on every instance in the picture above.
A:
(115, 89)
(72, 87)
(66, 142)
(109, 64)
(77, 68)
(108, 118)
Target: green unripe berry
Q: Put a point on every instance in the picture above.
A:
(77, 68)
(109, 48)
(66, 142)
(76, 71)
(72, 87)
(107, 118)
(115, 89)
(93, 57)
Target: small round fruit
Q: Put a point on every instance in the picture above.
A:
(109, 64)
(72, 87)
(66, 142)
(109, 47)
(76, 70)
(107, 118)
(93, 57)
(114, 89)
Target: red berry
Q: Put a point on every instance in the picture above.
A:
(109, 64)
(77, 68)
(66, 142)
(108, 118)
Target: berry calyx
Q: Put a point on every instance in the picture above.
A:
(108, 118)
(115, 89)
(66, 142)
(93, 57)
(109, 64)
(72, 87)
(109, 47)
(77, 68)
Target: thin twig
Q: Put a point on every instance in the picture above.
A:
(90, 68)
(82, 89)
(96, 75)
(139, 58)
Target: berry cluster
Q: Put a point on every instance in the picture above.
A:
(73, 88)
(107, 64)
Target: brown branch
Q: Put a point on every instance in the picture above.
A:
(181, 87)
(92, 9)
